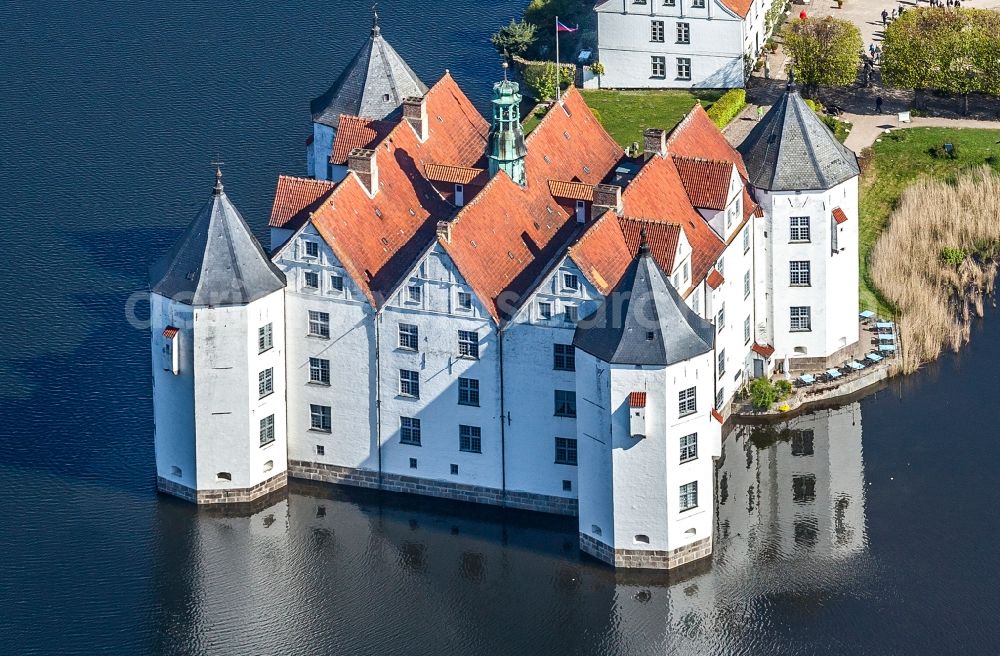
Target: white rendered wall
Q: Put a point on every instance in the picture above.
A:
(173, 395)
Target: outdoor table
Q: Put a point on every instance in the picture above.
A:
(885, 325)
(887, 337)
(855, 365)
(833, 373)
(874, 357)
(867, 314)
(808, 379)
(887, 347)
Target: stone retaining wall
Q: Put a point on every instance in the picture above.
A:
(645, 558)
(316, 471)
(205, 497)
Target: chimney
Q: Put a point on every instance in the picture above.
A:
(654, 142)
(362, 162)
(444, 231)
(606, 197)
(415, 113)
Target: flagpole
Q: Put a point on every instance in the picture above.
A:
(558, 82)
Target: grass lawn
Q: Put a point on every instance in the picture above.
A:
(625, 114)
(901, 158)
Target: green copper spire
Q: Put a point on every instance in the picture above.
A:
(506, 149)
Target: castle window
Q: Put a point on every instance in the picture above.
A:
(803, 488)
(320, 450)
(641, 539)
(565, 401)
(697, 4)
(571, 282)
(656, 31)
(408, 336)
(801, 318)
(799, 228)
(683, 68)
(319, 371)
(658, 66)
(464, 301)
(267, 430)
(414, 293)
(312, 249)
(687, 271)
(802, 442)
(468, 344)
(689, 496)
(175, 471)
(570, 313)
(265, 382)
(454, 470)
(544, 310)
(567, 486)
(311, 280)
(798, 271)
(319, 418)
(689, 447)
(265, 338)
(669, 3)
(336, 283)
(721, 317)
(746, 239)
(268, 466)
(223, 476)
(409, 431)
(409, 383)
(687, 403)
(746, 284)
(413, 463)
(684, 33)
(468, 391)
(470, 439)
(746, 330)
(563, 357)
(722, 362)
(319, 324)
(565, 451)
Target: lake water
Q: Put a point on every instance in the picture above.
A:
(831, 539)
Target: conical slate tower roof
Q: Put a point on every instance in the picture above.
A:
(217, 261)
(372, 86)
(791, 150)
(644, 321)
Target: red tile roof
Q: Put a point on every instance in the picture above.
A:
(508, 235)
(356, 132)
(295, 198)
(573, 190)
(706, 181)
(740, 7)
(379, 239)
(697, 136)
(839, 216)
(601, 253)
(169, 332)
(454, 174)
(637, 400)
(717, 416)
(661, 237)
(765, 350)
(715, 279)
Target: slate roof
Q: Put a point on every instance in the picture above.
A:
(790, 149)
(644, 321)
(372, 86)
(217, 261)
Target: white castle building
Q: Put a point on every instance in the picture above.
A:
(534, 322)
(679, 43)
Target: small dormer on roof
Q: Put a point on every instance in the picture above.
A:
(643, 321)
(372, 86)
(790, 149)
(217, 261)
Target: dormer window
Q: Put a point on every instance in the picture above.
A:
(581, 211)
(459, 195)
(312, 249)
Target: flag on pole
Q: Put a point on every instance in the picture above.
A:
(564, 28)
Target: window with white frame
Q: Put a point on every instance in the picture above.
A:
(544, 310)
(687, 271)
(656, 31)
(409, 383)
(319, 417)
(319, 323)
(697, 4)
(683, 68)
(720, 396)
(468, 391)
(746, 239)
(696, 301)
(720, 265)
(265, 338)
(563, 357)
(687, 401)
(319, 371)
(669, 3)
(722, 362)
(746, 284)
(414, 293)
(312, 249)
(565, 403)
(689, 447)
(409, 431)
(799, 273)
(267, 430)
(565, 451)
(799, 228)
(683, 32)
(689, 496)
(659, 66)
(409, 337)
(470, 439)
(336, 283)
(746, 330)
(468, 344)
(265, 382)
(801, 318)
(720, 322)
(570, 313)
(570, 281)
(464, 301)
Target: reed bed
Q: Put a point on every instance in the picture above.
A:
(936, 262)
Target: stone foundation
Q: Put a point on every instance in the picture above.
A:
(315, 471)
(205, 497)
(646, 558)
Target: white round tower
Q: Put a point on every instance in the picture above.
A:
(218, 346)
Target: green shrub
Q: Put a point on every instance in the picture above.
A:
(953, 256)
(940, 151)
(762, 393)
(597, 68)
(541, 80)
(727, 107)
(784, 387)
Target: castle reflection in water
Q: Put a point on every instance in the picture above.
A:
(344, 563)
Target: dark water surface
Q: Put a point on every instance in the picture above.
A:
(109, 115)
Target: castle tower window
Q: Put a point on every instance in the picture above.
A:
(567, 486)
(565, 451)
(454, 470)
(564, 357)
(565, 403)
(409, 431)
(413, 463)
(320, 450)
(470, 439)
(409, 337)
(267, 430)
(265, 382)
(687, 401)
(689, 496)
(641, 539)
(689, 447)
(319, 324)
(223, 476)
(468, 344)
(319, 371)
(320, 418)
(265, 338)
(468, 391)
(409, 383)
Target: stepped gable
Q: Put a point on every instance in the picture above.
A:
(644, 321)
(508, 236)
(217, 261)
(706, 181)
(356, 132)
(790, 149)
(372, 86)
(656, 193)
(377, 239)
(295, 199)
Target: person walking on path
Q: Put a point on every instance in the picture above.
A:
(885, 17)
(878, 104)
(760, 112)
